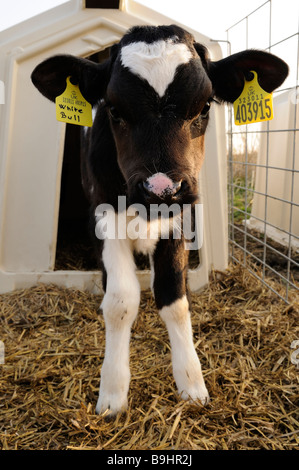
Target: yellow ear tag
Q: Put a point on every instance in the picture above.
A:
(254, 104)
(72, 107)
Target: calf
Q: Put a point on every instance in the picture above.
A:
(152, 99)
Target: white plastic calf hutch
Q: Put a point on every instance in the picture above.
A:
(33, 147)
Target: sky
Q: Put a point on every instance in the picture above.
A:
(15, 11)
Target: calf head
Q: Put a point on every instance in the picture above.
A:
(157, 88)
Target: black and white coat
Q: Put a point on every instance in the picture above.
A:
(152, 98)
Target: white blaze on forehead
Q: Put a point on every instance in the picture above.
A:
(155, 62)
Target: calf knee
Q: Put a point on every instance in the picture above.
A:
(120, 304)
(178, 312)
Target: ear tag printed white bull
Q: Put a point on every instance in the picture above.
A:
(254, 104)
(72, 107)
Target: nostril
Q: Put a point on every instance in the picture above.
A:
(182, 186)
(176, 187)
(144, 187)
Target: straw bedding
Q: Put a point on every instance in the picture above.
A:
(54, 346)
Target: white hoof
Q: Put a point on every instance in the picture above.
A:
(196, 393)
(111, 404)
(191, 386)
(113, 390)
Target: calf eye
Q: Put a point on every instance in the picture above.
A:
(205, 111)
(114, 114)
(198, 122)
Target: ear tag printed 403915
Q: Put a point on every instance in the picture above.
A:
(254, 104)
(72, 107)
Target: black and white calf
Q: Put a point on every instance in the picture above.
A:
(153, 97)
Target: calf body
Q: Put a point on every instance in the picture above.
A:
(152, 99)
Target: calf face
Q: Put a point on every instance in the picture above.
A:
(158, 99)
(152, 97)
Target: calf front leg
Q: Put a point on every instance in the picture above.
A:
(120, 307)
(170, 289)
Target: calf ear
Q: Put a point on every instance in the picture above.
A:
(50, 76)
(203, 53)
(227, 75)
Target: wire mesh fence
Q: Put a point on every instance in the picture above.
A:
(263, 159)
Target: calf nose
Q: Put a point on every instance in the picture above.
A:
(161, 185)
